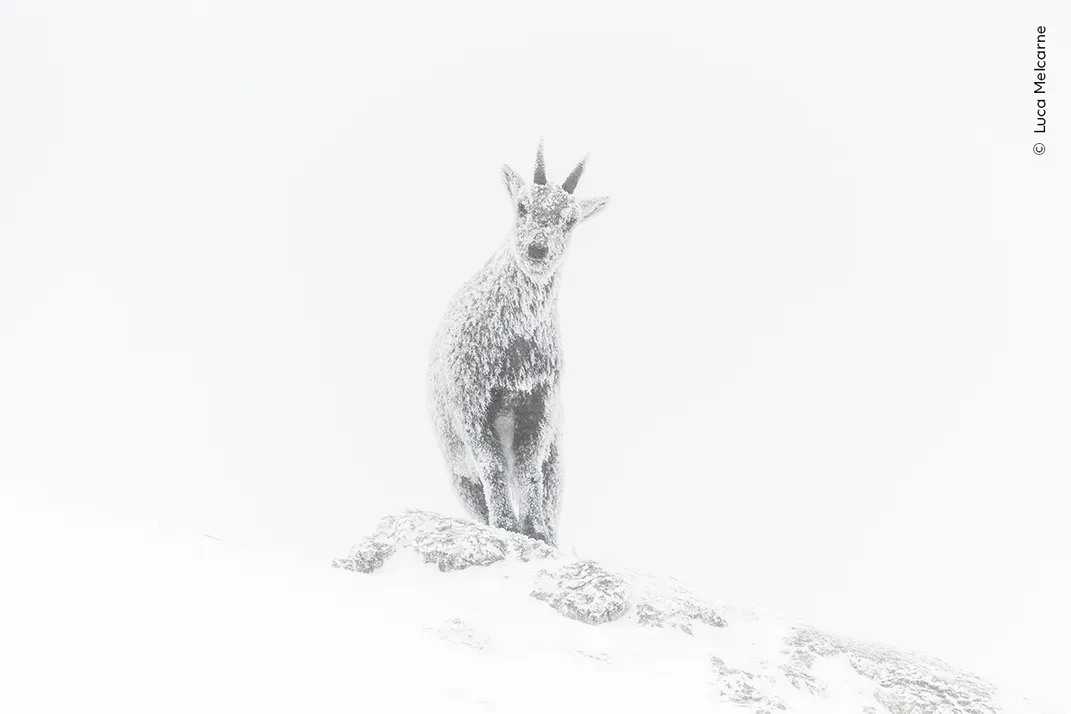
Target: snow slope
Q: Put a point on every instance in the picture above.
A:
(427, 611)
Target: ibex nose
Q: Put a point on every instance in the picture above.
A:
(537, 251)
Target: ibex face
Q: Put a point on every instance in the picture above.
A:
(546, 215)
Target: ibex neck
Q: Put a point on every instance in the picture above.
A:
(536, 298)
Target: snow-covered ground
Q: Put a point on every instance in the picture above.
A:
(100, 615)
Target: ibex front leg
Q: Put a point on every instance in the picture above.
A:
(490, 463)
(532, 438)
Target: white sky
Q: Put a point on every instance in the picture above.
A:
(816, 347)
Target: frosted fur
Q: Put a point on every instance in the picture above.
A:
(495, 370)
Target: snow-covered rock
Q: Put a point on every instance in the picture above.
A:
(751, 663)
(583, 591)
(450, 543)
(575, 588)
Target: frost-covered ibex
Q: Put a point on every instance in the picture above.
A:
(495, 373)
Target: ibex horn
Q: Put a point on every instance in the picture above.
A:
(570, 183)
(541, 168)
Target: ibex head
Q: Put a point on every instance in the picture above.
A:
(546, 215)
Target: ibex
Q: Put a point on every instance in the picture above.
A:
(495, 368)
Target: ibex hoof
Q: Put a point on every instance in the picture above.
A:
(536, 531)
(507, 522)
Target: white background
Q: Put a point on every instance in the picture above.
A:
(817, 347)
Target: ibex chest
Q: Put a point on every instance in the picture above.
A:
(528, 360)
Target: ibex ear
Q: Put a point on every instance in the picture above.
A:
(590, 206)
(514, 183)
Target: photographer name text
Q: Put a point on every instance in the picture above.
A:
(1039, 82)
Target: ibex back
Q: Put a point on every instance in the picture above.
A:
(495, 372)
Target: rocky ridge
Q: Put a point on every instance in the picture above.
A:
(787, 667)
